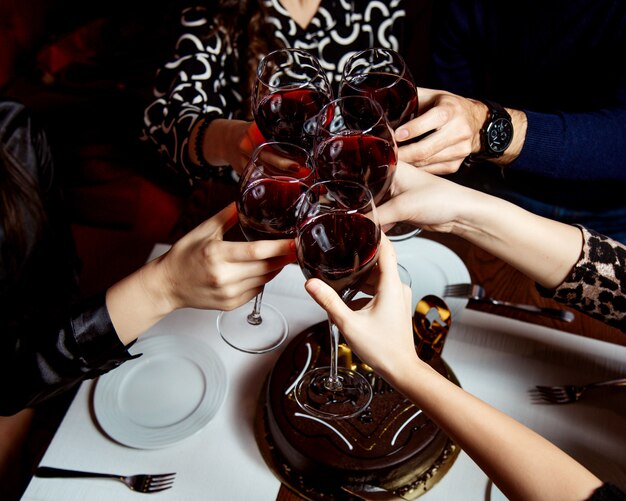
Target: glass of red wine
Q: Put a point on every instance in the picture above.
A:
(270, 187)
(355, 142)
(290, 89)
(382, 75)
(337, 241)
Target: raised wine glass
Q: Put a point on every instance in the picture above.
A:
(354, 142)
(269, 189)
(338, 238)
(290, 89)
(382, 75)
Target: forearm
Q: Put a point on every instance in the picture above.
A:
(520, 124)
(542, 249)
(220, 142)
(575, 146)
(138, 301)
(522, 463)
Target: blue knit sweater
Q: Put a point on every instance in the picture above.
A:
(563, 62)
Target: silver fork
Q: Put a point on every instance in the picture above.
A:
(570, 393)
(139, 483)
(478, 294)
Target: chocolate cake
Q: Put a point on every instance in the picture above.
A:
(391, 445)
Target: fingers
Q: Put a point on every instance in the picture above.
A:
(387, 264)
(256, 138)
(431, 120)
(328, 299)
(392, 212)
(438, 149)
(261, 250)
(217, 225)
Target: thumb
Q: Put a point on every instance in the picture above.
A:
(328, 299)
(391, 211)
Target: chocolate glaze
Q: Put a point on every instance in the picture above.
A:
(390, 444)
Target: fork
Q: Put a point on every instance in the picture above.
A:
(570, 393)
(139, 483)
(477, 293)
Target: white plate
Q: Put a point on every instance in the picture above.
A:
(169, 393)
(432, 266)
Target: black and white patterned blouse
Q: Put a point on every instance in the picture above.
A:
(202, 78)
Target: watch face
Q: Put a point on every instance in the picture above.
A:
(499, 135)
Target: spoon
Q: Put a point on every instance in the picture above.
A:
(431, 323)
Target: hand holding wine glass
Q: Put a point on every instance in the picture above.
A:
(354, 142)
(337, 241)
(291, 88)
(269, 190)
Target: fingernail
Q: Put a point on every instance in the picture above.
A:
(402, 133)
(312, 286)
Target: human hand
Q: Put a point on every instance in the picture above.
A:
(380, 333)
(453, 125)
(231, 142)
(428, 201)
(249, 139)
(202, 270)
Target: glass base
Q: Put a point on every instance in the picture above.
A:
(235, 329)
(402, 231)
(316, 399)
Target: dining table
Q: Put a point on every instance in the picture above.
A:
(495, 352)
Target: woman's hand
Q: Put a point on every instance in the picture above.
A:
(201, 270)
(428, 201)
(231, 142)
(204, 271)
(380, 332)
(542, 249)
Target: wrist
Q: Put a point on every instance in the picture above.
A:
(158, 288)
(403, 374)
(137, 302)
(201, 148)
(495, 133)
(476, 209)
(520, 124)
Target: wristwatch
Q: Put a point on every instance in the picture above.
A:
(495, 135)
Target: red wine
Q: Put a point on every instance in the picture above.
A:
(397, 96)
(339, 248)
(267, 208)
(290, 115)
(368, 160)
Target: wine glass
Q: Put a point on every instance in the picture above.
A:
(269, 189)
(354, 142)
(337, 241)
(382, 75)
(290, 89)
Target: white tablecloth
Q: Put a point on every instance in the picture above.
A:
(496, 358)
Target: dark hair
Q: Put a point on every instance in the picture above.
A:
(21, 207)
(244, 21)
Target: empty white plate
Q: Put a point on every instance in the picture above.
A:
(169, 393)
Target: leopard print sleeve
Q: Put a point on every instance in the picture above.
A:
(597, 283)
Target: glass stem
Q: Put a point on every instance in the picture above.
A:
(254, 318)
(332, 381)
